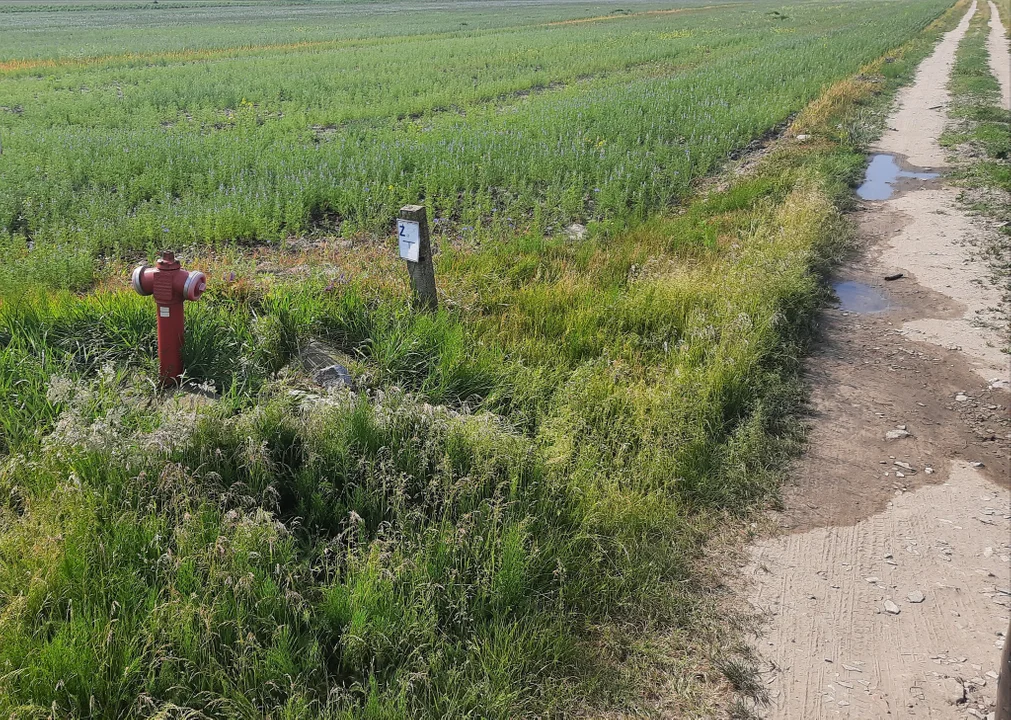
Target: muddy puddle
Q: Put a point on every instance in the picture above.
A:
(885, 175)
(857, 297)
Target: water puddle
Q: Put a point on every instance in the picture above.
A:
(883, 173)
(856, 297)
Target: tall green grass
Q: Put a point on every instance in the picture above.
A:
(432, 543)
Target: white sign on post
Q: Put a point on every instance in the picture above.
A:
(409, 235)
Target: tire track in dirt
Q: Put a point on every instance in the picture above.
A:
(840, 653)
(914, 128)
(903, 488)
(1000, 56)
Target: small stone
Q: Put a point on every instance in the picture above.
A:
(896, 434)
(977, 464)
(901, 427)
(987, 552)
(891, 608)
(803, 136)
(992, 675)
(905, 466)
(961, 398)
(333, 376)
(979, 682)
(843, 703)
(954, 692)
(915, 597)
(872, 579)
(928, 470)
(576, 231)
(898, 474)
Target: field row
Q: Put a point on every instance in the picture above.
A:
(496, 131)
(113, 28)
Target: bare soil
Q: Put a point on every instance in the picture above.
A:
(903, 491)
(1000, 57)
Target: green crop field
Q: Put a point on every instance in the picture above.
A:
(521, 507)
(132, 142)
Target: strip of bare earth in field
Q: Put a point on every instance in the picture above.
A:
(8, 66)
(644, 13)
(889, 596)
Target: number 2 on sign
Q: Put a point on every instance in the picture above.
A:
(409, 237)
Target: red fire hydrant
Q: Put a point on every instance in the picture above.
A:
(170, 285)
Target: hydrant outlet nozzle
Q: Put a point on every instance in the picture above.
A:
(138, 273)
(194, 286)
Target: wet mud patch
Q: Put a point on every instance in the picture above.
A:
(890, 174)
(882, 397)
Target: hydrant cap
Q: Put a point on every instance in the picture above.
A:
(135, 280)
(168, 261)
(195, 285)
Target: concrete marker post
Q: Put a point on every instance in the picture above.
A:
(416, 249)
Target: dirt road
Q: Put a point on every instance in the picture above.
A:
(1000, 57)
(888, 593)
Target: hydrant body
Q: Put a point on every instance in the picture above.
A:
(170, 285)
